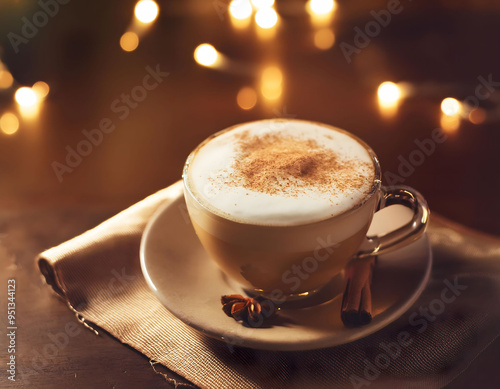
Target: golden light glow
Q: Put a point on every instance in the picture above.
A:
(477, 116)
(146, 11)
(129, 41)
(258, 4)
(388, 93)
(266, 18)
(272, 75)
(41, 89)
(29, 113)
(451, 106)
(450, 124)
(246, 98)
(321, 7)
(9, 123)
(273, 93)
(271, 83)
(26, 97)
(240, 9)
(6, 79)
(240, 23)
(324, 39)
(206, 55)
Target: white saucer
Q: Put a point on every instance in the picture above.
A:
(190, 285)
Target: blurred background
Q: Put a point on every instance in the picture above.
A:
(88, 114)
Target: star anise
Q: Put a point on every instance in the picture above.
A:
(246, 309)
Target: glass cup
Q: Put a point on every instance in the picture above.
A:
(293, 261)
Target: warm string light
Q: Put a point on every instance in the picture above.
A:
(41, 89)
(321, 7)
(266, 18)
(28, 101)
(240, 9)
(240, 12)
(26, 97)
(6, 79)
(246, 98)
(453, 111)
(259, 4)
(206, 55)
(449, 124)
(321, 12)
(271, 83)
(146, 11)
(29, 97)
(451, 106)
(271, 78)
(321, 15)
(324, 38)
(129, 41)
(389, 95)
(477, 116)
(9, 123)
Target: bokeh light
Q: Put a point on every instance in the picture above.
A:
(9, 123)
(451, 106)
(321, 7)
(477, 116)
(206, 55)
(6, 79)
(129, 41)
(246, 98)
(450, 124)
(266, 18)
(240, 9)
(41, 89)
(324, 38)
(258, 4)
(388, 93)
(26, 97)
(146, 11)
(271, 83)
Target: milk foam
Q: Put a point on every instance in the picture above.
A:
(213, 163)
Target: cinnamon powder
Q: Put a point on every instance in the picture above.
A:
(279, 164)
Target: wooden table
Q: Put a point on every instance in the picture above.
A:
(440, 50)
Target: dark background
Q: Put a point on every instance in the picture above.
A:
(440, 47)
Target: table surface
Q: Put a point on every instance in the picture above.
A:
(441, 49)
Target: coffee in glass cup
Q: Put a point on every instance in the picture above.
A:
(282, 205)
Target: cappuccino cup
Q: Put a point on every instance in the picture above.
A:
(282, 205)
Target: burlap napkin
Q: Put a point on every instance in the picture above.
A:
(98, 273)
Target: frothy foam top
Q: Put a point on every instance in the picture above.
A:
(281, 172)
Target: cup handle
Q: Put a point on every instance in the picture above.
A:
(411, 231)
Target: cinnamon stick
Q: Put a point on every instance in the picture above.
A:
(357, 298)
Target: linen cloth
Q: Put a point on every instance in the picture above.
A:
(98, 273)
